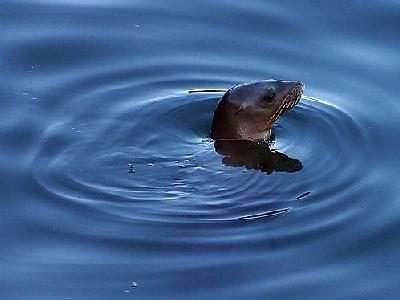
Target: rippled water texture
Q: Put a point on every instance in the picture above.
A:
(111, 187)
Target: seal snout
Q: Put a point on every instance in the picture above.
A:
(292, 98)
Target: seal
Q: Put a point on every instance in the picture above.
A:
(248, 111)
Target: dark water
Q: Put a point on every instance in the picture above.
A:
(112, 189)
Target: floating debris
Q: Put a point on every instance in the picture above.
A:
(302, 195)
(134, 284)
(271, 213)
(206, 91)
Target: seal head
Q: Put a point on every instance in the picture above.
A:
(248, 111)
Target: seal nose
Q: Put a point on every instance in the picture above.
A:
(294, 84)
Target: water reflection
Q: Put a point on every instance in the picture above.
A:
(255, 156)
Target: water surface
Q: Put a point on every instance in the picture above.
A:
(112, 189)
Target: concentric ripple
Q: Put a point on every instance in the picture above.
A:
(112, 188)
(153, 161)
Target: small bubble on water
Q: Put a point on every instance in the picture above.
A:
(134, 284)
(131, 168)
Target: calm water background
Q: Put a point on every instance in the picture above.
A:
(108, 177)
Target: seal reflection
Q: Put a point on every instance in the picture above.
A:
(255, 156)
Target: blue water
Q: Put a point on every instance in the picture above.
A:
(111, 187)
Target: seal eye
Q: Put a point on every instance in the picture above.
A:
(269, 95)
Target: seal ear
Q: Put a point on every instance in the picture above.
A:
(240, 110)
